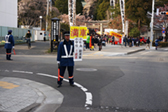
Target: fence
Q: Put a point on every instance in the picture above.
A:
(18, 34)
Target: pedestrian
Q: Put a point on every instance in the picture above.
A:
(113, 39)
(148, 43)
(65, 60)
(137, 42)
(138, 39)
(156, 43)
(96, 41)
(133, 41)
(9, 44)
(100, 43)
(84, 45)
(107, 38)
(103, 41)
(45, 36)
(128, 40)
(28, 38)
(90, 42)
(93, 42)
(125, 40)
(87, 41)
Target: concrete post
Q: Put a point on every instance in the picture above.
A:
(152, 19)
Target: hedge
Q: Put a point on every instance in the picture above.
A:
(161, 44)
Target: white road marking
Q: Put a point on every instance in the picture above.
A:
(88, 94)
(26, 72)
(6, 70)
(89, 97)
(89, 100)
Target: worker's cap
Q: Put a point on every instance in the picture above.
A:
(9, 31)
(66, 34)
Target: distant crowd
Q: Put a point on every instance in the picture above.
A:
(97, 41)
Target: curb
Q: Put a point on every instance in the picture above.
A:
(52, 101)
(36, 104)
(48, 100)
(131, 52)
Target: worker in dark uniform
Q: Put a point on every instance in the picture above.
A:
(9, 44)
(65, 60)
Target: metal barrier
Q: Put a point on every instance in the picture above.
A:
(18, 34)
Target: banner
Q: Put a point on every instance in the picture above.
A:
(122, 9)
(115, 34)
(72, 12)
(78, 49)
(74, 32)
(78, 32)
(83, 32)
(112, 3)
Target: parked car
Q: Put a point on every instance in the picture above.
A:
(143, 39)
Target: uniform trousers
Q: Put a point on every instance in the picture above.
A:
(8, 54)
(62, 71)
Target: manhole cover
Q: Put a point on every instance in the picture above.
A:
(86, 69)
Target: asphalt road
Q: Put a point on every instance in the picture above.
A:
(130, 83)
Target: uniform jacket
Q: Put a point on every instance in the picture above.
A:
(9, 42)
(65, 59)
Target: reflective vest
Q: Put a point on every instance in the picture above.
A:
(9, 42)
(65, 53)
(7, 39)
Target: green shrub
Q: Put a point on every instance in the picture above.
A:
(161, 44)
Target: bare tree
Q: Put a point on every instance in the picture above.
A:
(30, 10)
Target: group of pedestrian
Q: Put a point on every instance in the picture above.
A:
(94, 42)
(131, 41)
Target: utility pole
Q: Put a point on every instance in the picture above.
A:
(50, 5)
(47, 15)
(41, 17)
(122, 9)
(152, 19)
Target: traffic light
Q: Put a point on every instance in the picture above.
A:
(164, 13)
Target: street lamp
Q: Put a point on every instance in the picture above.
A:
(40, 21)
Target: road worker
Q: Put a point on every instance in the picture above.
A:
(65, 60)
(9, 44)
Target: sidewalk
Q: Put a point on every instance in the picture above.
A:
(22, 95)
(113, 50)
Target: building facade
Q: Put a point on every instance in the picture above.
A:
(8, 13)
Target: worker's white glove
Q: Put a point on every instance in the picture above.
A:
(13, 47)
(58, 62)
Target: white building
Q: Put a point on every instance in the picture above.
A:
(8, 13)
